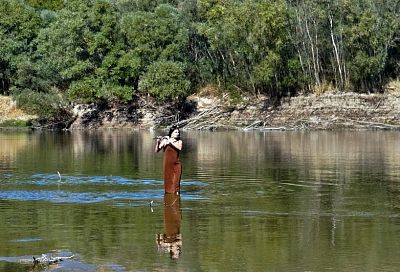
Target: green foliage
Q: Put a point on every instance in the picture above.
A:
(91, 89)
(235, 96)
(77, 42)
(165, 80)
(19, 25)
(294, 79)
(46, 4)
(115, 92)
(110, 50)
(125, 6)
(156, 35)
(370, 29)
(41, 104)
(243, 36)
(346, 43)
(84, 91)
(129, 67)
(15, 123)
(265, 70)
(155, 41)
(364, 67)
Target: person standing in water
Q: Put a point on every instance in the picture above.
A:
(172, 145)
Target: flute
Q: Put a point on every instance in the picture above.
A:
(161, 137)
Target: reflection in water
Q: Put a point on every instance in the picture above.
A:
(10, 146)
(291, 201)
(171, 240)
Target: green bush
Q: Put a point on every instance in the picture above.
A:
(42, 104)
(115, 92)
(165, 80)
(15, 123)
(90, 89)
(84, 91)
(46, 4)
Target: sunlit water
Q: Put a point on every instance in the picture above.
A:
(250, 201)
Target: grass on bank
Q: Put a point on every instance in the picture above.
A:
(12, 123)
(11, 116)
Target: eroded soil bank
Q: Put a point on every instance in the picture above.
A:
(326, 111)
(211, 112)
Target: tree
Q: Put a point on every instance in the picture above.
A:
(83, 45)
(165, 80)
(46, 4)
(19, 25)
(156, 35)
(125, 6)
(246, 41)
(155, 40)
(345, 43)
(372, 29)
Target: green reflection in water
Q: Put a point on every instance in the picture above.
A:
(255, 201)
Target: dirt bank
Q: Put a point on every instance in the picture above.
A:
(326, 111)
(217, 112)
(11, 115)
(207, 112)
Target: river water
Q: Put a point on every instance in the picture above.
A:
(250, 201)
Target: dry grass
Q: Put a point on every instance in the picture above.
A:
(9, 110)
(322, 88)
(393, 87)
(209, 91)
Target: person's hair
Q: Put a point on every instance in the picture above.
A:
(172, 130)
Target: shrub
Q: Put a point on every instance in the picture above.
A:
(83, 91)
(15, 123)
(42, 104)
(165, 80)
(91, 88)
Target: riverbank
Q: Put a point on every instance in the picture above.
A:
(209, 111)
(326, 111)
(11, 116)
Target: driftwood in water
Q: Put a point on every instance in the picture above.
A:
(48, 260)
(209, 119)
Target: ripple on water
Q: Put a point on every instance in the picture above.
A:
(76, 197)
(91, 189)
(46, 179)
(27, 240)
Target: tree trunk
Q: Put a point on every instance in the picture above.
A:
(336, 54)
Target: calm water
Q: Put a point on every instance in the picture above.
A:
(251, 201)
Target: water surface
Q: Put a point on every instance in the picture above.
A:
(251, 201)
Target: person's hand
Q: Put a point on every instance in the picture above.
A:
(164, 140)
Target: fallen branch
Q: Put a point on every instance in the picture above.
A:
(377, 124)
(273, 128)
(207, 116)
(48, 260)
(253, 125)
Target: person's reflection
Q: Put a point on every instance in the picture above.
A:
(171, 240)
